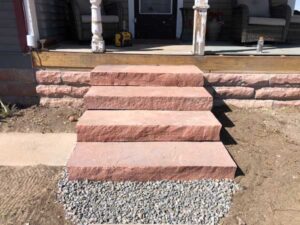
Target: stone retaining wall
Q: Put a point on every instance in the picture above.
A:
(55, 88)
(254, 90)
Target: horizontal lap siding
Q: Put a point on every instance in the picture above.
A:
(9, 41)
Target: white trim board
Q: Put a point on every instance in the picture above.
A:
(131, 18)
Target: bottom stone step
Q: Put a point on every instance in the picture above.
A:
(150, 161)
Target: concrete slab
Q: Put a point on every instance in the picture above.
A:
(30, 149)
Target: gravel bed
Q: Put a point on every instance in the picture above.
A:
(162, 202)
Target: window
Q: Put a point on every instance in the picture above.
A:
(156, 6)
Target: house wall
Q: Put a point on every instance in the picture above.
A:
(17, 79)
(10, 49)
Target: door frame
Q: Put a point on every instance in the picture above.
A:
(131, 18)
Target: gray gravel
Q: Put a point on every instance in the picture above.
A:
(163, 202)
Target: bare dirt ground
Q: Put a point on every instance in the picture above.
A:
(264, 143)
(42, 120)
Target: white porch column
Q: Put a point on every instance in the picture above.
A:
(200, 19)
(97, 44)
(33, 35)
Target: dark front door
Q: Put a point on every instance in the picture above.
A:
(155, 19)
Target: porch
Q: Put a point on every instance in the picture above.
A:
(185, 23)
(171, 47)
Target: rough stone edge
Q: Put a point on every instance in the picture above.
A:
(256, 104)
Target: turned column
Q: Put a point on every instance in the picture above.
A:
(200, 19)
(97, 44)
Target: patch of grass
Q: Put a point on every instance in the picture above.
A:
(6, 110)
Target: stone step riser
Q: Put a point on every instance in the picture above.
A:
(181, 76)
(150, 161)
(153, 103)
(146, 133)
(130, 126)
(148, 98)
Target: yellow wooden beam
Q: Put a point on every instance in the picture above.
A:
(206, 63)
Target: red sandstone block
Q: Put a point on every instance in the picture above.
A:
(278, 93)
(148, 98)
(79, 92)
(113, 125)
(285, 80)
(140, 75)
(48, 77)
(238, 79)
(62, 102)
(76, 77)
(235, 92)
(150, 161)
(53, 90)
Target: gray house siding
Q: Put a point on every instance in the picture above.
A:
(11, 55)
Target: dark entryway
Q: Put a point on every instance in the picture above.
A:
(155, 19)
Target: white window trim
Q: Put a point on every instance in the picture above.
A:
(131, 18)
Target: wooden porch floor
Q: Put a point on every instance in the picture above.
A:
(176, 48)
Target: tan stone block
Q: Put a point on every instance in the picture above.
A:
(282, 104)
(62, 102)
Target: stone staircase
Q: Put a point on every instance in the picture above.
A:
(146, 123)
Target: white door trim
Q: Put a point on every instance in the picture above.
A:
(131, 18)
(179, 18)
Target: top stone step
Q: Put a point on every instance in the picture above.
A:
(147, 75)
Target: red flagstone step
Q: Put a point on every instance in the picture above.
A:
(147, 75)
(148, 98)
(135, 125)
(150, 161)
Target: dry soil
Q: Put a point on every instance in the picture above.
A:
(264, 143)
